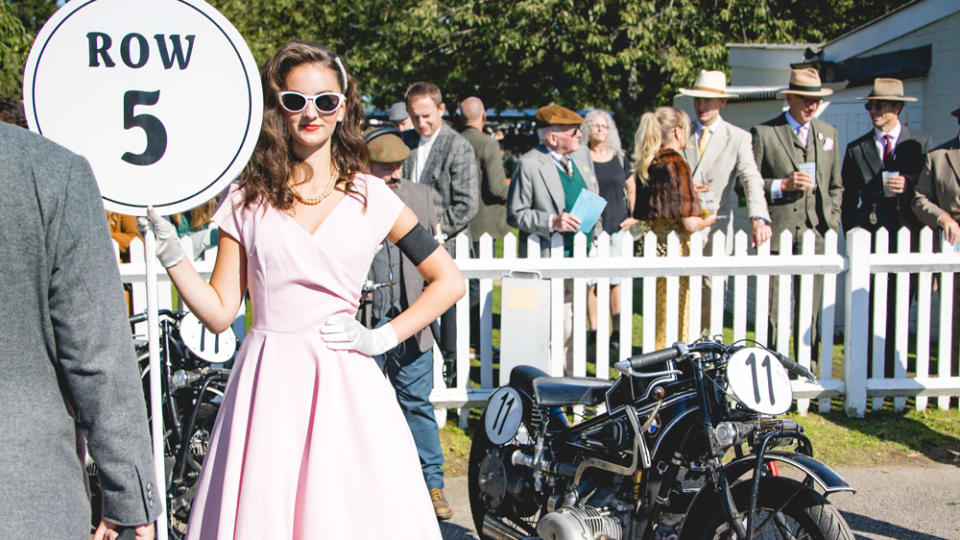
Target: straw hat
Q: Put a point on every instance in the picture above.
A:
(887, 90)
(806, 82)
(709, 84)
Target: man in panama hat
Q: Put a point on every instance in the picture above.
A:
(397, 284)
(800, 163)
(880, 171)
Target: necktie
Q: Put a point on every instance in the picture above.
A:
(887, 146)
(565, 162)
(802, 134)
(702, 145)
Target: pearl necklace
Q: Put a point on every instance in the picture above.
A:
(313, 201)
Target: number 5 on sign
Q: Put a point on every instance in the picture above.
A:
(161, 96)
(759, 381)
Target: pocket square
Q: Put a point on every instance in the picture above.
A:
(828, 144)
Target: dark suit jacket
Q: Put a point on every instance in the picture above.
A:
(773, 150)
(492, 215)
(417, 198)
(863, 182)
(66, 355)
(451, 170)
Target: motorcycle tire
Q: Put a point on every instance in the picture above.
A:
(797, 511)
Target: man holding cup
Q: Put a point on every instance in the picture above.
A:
(880, 168)
(799, 161)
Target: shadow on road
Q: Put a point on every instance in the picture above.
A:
(861, 524)
(452, 531)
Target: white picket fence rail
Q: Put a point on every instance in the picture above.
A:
(857, 266)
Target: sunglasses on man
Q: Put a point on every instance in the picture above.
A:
(325, 102)
(877, 105)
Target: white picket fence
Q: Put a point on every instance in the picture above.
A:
(933, 310)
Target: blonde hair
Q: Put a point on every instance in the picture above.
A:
(654, 128)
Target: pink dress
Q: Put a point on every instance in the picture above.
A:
(309, 442)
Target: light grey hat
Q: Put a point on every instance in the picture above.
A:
(397, 112)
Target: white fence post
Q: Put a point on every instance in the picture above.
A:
(855, 323)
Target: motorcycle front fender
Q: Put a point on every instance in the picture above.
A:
(825, 477)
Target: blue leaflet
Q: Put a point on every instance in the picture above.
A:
(588, 208)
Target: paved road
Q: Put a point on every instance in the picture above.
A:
(891, 503)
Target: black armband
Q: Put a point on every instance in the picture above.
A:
(417, 244)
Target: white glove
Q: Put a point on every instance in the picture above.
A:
(346, 333)
(169, 249)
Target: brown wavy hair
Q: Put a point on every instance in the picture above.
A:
(267, 176)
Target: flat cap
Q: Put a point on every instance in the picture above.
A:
(385, 145)
(552, 115)
(397, 112)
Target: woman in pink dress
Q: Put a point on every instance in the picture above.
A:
(310, 442)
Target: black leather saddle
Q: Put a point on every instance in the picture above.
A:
(558, 391)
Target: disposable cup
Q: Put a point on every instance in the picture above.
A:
(886, 181)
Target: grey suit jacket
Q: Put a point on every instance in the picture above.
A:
(773, 152)
(492, 214)
(66, 356)
(536, 193)
(938, 188)
(863, 184)
(451, 170)
(727, 158)
(417, 198)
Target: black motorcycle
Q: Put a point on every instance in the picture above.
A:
(194, 368)
(689, 447)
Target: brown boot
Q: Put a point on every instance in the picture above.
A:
(440, 505)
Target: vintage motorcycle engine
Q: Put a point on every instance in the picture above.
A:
(578, 523)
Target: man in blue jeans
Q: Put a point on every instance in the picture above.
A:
(393, 284)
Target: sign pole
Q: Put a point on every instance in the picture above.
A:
(156, 403)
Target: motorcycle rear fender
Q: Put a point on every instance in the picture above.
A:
(825, 477)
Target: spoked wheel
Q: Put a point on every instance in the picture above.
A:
(487, 479)
(785, 510)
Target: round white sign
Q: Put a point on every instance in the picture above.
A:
(163, 98)
(759, 381)
(214, 348)
(503, 416)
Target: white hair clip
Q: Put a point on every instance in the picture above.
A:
(343, 72)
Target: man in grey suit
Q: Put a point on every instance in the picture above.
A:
(69, 372)
(797, 200)
(721, 154)
(937, 204)
(396, 284)
(543, 188)
(442, 159)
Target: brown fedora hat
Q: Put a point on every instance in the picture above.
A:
(887, 90)
(806, 82)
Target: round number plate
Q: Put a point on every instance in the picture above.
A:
(214, 348)
(504, 415)
(163, 98)
(759, 381)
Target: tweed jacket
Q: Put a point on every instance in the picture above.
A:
(536, 193)
(727, 158)
(863, 182)
(775, 150)
(451, 171)
(938, 187)
(65, 353)
(492, 214)
(417, 198)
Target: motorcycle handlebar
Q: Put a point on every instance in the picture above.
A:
(643, 361)
(140, 317)
(794, 368)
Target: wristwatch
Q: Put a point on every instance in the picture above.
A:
(760, 218)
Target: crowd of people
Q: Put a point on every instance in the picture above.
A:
(304, 397)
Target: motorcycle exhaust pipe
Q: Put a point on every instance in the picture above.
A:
(494, 529)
